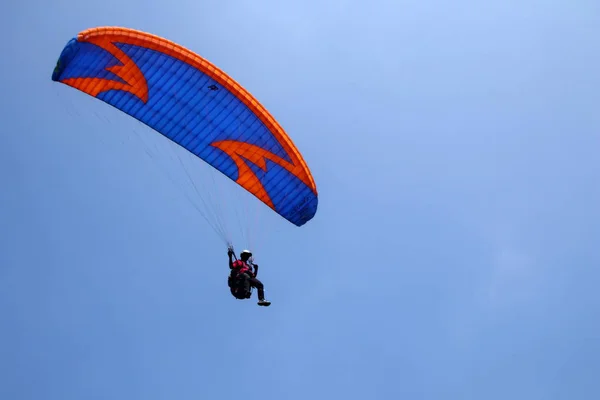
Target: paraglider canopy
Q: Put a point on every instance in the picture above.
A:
(196, 105)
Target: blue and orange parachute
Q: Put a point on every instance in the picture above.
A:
(196, 105)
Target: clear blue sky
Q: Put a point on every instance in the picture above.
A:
(454, 255)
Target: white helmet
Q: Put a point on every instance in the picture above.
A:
(248, 252)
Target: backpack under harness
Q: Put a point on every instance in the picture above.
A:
(236, 286)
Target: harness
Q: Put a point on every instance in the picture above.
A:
(235, 282)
